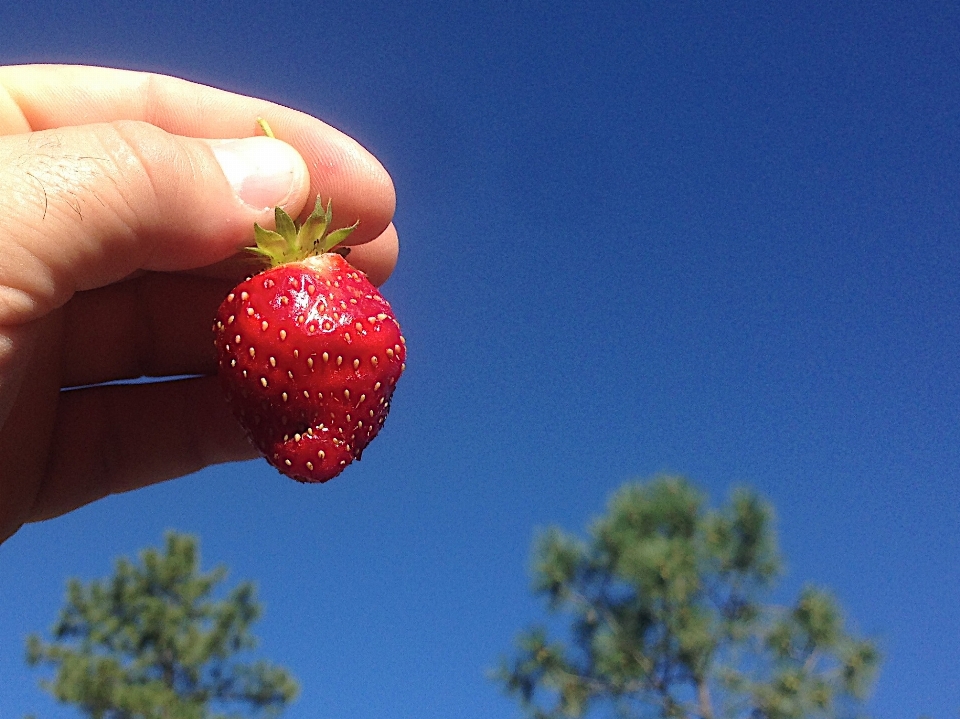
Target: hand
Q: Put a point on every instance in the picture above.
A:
(122, 201)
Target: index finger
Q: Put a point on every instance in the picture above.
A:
(51, 96)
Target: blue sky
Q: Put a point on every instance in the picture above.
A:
(721, 240)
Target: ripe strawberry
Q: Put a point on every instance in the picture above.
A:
(309, 350)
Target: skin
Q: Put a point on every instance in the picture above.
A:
(119, 237)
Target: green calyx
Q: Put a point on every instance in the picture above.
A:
(292, 243)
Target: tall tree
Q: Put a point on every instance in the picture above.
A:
(153, 642)
(667, 620)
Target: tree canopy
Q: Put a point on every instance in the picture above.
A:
(153, 642)
(666, 619)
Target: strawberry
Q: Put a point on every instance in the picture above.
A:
(309, 351)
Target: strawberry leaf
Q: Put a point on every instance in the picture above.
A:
(269, 244)
(268, 239)
(262, 252)
(292, 243)
(338, 236)
(286, 228)
(313, 228)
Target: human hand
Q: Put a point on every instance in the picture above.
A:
(122, 210)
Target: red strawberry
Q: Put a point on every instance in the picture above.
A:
(310, 352)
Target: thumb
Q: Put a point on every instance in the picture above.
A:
(82, 207)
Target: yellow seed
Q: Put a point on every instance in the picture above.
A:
(264, 325)
(376, 386)
(253, 352)
(273, 361)
(311, 289)
(402, 340)
(296, 353)
(263, 381)
(310, 466)
(283, 334)
(250, 311)
(346, 393)
(244, 374)
(237, 339)
(321, 454)
(285, 300)
(403, 366)
(230, 319)
(339, 361)
(284, 395)
(346, 336)
(326, 357)
(389, 353)
(289, 374)
(359, 327)
(356, 363)
(297, 437)
(288, 462)
(307, 395)
(381, 317)
(362, 397)
(310, 362)
(230, 297)
(374, 361)
(244, 296)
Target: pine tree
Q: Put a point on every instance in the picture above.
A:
(152, 642)
(667, 619)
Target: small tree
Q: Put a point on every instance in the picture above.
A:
(151, 642)
(667, 620)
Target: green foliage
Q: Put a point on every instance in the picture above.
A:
(667, 619)
(151, 642)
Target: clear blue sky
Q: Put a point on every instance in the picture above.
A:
(636, 237)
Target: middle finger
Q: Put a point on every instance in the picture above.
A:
(158, 325)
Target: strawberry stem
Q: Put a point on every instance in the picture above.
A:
(265, 126)
(292, 243)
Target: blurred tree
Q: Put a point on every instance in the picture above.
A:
(151, 642)
(667, 619)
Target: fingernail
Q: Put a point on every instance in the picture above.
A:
(262, 171)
